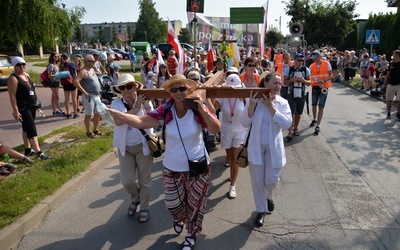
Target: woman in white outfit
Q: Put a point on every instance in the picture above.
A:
(232, 131)
(267, 116)
(135, 158)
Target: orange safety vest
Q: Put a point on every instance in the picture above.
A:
(278, 58)
(320, 75)
(279, 68)
(255, 76)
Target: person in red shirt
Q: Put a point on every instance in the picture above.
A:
(371, 74)
(172, 63)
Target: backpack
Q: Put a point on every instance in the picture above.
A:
(303, 88)
(44, 78)
(68, 80)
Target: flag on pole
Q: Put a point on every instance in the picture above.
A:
(263, 28)
(234, 53)
(210, 57)
(159, 56)
(173, 40)
(250, 50)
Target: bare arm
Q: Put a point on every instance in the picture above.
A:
(287, 81)
(77, 82)
(213, 124)
(12, 85)
(140, 122)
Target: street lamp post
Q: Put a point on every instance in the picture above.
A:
(280, 20)
(145, 34)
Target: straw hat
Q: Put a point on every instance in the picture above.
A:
(125, 79)
(179, 79)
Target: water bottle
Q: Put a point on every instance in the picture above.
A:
(41, 113)
(105, 115)
(6, 157)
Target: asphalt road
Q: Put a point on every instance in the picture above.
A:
(339, 190)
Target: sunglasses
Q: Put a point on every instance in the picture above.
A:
(181, 89)
(251, 65)
(128, 87)
(90, 61)
(194, 79)
(299, 60)
(20, 64)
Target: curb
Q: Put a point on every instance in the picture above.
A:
(11, 235)
(360, 91)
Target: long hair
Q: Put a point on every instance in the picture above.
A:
(51, 58)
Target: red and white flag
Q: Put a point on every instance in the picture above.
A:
(173, 40)
(159, 57)
(263, 29)
(210, 57)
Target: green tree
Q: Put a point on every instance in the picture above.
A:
(149, 26)
(324, 22)
(185, 36)
(37, 22)
(274, 37)
(129, 30)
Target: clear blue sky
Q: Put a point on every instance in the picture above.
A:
(128, 10)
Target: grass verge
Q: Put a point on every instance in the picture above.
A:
(71, 152)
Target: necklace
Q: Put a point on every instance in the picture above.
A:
(232, 108)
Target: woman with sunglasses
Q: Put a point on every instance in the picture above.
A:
(185, 196)
(266, 117)
(250, 78)
(21, 90)
(52, 70)
(135, 158)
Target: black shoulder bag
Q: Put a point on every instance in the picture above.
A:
(156, 145)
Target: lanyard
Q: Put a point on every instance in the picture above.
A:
(232, 108)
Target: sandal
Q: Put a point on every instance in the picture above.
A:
(96, 132)
(11, 168)
(289, 136)
(132, 210)
(144, 215)
(296, 132)
(91, 135)
(178, 226)
(187, 245)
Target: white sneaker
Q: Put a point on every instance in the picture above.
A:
(232, 192)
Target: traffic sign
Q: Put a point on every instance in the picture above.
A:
(195, 6)
(373, 37)
(247, 15)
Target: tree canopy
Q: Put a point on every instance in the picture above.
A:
(325, 22)
(185, 36)
(35, 22)
(149, 26)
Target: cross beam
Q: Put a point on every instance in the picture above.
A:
(210, 92)
(210, 89)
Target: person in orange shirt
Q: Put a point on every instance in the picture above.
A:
(249, 77)
(321, 75)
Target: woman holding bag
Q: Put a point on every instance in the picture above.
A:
(135, 158)
(185, 195)
(68, 86)
(266, 153)
(23, 98)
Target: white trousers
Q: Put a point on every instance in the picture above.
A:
(263, 180)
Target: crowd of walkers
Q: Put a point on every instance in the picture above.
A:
(291, 76)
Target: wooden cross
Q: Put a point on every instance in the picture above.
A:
(224, 38)
(211, 89)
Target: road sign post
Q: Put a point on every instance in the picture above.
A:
(372, 37)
